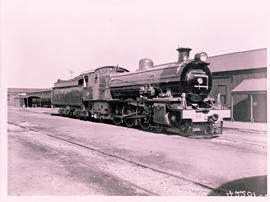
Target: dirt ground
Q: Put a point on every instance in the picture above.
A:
(41, 165)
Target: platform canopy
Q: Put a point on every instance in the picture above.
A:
(26, 96)
(251, 86)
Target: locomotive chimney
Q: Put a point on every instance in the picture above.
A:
(183, 54)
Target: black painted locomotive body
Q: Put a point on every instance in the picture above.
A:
(171, 96)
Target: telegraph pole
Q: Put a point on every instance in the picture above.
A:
(71, 73)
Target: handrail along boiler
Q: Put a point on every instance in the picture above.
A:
(172, 96)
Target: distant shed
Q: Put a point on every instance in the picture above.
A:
(13, 95)
(41, 98)
(255, 107)
(29, 97)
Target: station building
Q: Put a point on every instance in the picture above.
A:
(241, 80)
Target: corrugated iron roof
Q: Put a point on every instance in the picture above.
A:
(239, 61)
(22, 96)
(27, 90)
(251, 85)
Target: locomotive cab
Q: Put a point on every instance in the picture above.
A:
(96, 82)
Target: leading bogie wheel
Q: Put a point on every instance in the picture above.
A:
(144, 123)
(185, 129)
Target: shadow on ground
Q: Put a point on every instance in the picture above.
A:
(197, 135)
(251, 186)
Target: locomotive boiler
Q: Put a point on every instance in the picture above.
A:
(172, 96)
(189, 76)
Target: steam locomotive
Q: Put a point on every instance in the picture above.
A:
(172, 96)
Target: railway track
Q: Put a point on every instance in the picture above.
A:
(243, 142)
(216, 138)
(212, 190)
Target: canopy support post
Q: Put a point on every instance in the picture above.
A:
(232, 119)
(251, 108)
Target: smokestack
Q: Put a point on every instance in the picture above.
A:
(183, 54)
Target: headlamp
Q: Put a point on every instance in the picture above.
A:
(200, 80)
(201, 56)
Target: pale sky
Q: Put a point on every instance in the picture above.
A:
(44, 39)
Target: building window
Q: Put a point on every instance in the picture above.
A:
(222, 90)
(80, 82)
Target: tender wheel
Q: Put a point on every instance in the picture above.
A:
(129, 110)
